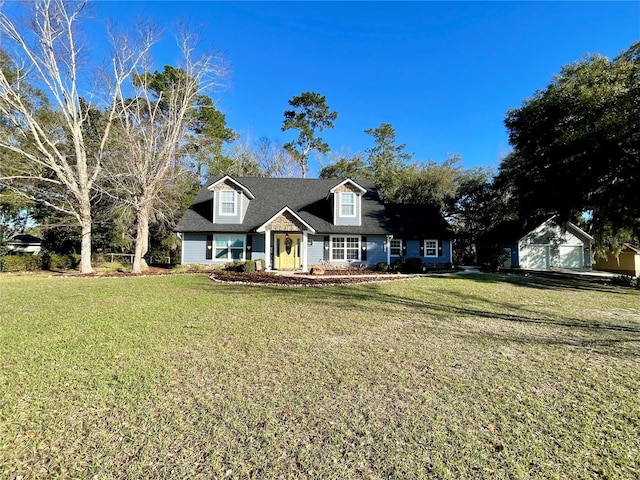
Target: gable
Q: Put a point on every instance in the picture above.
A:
(308, 198)
(551, 232)
(285, 221)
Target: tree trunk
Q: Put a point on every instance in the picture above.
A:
(85, 245)
(142, 240)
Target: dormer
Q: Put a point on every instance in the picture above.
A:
(346, 198)
(230, 200)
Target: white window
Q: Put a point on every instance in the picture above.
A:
(431, 248)
(396, 247)
(228, 202)
(345, 248)
(228, 247)
(347, 204)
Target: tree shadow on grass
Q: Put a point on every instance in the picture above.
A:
(550, 281)
(460, 304)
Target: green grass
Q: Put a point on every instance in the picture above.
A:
(442, 377)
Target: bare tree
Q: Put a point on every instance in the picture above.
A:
(273, 159)
(62, 159)
(153, 123)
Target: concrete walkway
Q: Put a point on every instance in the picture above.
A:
(577, 273)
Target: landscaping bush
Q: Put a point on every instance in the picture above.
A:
(382, 267)
(413, 265)
(233, 267)
(626, 281)
(492, 258)
(21, 263)
(54, 261)
(249, 266)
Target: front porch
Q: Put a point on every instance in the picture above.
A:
(286, 241)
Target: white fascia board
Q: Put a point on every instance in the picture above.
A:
(580, 231)
(262, 227)
(348, 180)
(242, 187)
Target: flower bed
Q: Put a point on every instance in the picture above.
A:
(263, 278)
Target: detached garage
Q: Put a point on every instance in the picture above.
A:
(552, 245)
(549, 245)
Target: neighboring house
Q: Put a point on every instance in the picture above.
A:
(294, 224)
(627, 263)
(25, 244)
(548, 245)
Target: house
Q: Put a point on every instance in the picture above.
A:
(295, 223)
(627, 262)
(25, 244)
(550, 244)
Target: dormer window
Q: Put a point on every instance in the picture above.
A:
(228, 202)
(347, 204)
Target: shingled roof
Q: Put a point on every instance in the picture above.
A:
(419, 221)
(309, 198)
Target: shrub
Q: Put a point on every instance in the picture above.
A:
(626, 281)
(249, 266)
(55, 261)
(382, 266)
(22, 263)
(233, 267)
(413, 265)
(74, 259)
(492, 258)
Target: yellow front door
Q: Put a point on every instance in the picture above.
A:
(287, 251)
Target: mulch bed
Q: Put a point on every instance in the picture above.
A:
(262, 278)
(258, 278)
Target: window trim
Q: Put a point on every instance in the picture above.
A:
(343, 196)
(399, 248)
(221, 203)
(435, 248)
(344, 249)
(229, 257)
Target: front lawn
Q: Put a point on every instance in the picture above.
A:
(457, 376)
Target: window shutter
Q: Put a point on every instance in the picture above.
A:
(422, 247)
(249, 247)
(364, 249)
(439, 248)
(209, 250)
(327, 246)
(404, 247)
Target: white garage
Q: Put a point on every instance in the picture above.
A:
(552, 245)
(570, 256)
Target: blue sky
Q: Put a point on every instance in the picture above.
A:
(442, 73)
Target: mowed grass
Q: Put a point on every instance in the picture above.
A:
(482, 376)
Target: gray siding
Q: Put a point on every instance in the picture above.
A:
(257, 249)
(413, 251)
(241, 209)
(375, 250)
(315, 252)
(194, 249)
(347, 221)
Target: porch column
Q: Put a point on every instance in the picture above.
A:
(389, 238)
(267, 249)
(303, 253)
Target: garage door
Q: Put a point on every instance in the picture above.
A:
(537, 256)
(570, 256)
